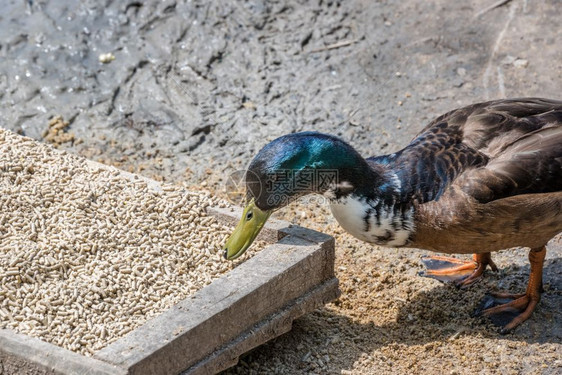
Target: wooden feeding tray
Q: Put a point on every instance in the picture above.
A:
(207, 331)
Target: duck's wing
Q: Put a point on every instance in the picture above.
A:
(485, 125)
(490, 150)
(531, 164)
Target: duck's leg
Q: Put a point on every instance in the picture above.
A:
(510, 310)
(461, 272)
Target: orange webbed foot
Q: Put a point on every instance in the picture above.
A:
(461, 272)
(510, 310)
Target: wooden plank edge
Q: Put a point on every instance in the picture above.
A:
(279, 323)
(22, 354)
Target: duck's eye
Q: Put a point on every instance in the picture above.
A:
(249, 216)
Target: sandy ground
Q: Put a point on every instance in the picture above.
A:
(197, 87)
(390, 320)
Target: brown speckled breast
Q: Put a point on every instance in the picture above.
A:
(459, 224)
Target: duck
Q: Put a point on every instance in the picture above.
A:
(478, 179)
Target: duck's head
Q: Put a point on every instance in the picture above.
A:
(285, 169)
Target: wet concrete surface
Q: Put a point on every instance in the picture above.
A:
(198, 87)
(208, 83)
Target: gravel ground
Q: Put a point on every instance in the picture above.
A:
(197, 87)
